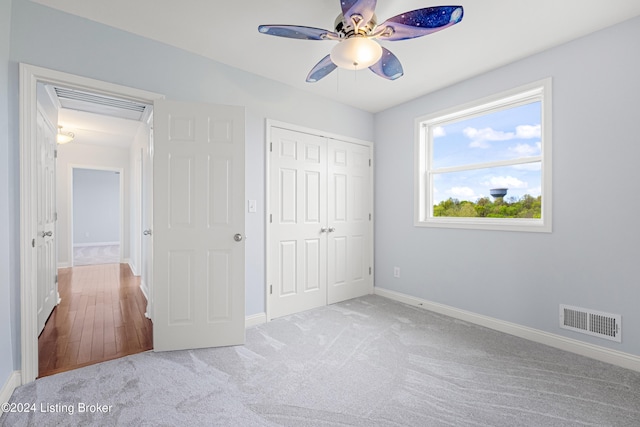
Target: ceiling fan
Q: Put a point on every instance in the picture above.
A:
(356, 29)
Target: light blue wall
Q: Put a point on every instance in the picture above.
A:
(96, 206)
(592, 257)
(55, 40)
(6, 284)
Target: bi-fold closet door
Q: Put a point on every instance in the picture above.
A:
(320, 223)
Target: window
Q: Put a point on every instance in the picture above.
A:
(487, 164)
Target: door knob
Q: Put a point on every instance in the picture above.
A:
(237, 237)
(47, 234)
(147, 232)
(324, 230)
(332, 229)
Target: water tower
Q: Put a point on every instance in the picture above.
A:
(498, 192)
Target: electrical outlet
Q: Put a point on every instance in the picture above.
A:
(396, 272)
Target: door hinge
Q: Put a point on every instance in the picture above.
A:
(369, 217)
(33, 243)
(56, 278)
(55, 216)
(55, 154)
(270, 218)
(369, 271)
(369, 162)
(270, 289)
(271, 147)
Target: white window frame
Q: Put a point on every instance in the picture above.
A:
(423, 215)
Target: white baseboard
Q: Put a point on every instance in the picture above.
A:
(255, 320)
(145, 290)
(592, 351)
(64, 264)
(14, 381)
(82, 245)
(132, 267)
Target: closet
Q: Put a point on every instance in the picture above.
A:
(320, 229)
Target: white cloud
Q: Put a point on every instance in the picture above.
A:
(524, 150)
(505, 182)
(479, 137)
(438, 131)
(462, 192)
(528, 131)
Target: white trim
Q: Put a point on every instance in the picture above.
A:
(423, 185)
(64, 264)
(317, 132)
(255, 320)
(614, 357)
(85, 245)
(9, 387)
(145, 291)
(29, 77)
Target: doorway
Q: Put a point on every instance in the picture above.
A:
(96, 216)
(100, 312)
(199, 151)
(30, 79)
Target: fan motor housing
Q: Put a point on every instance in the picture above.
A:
(347, 29)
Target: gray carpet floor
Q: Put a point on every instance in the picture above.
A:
(365, 362)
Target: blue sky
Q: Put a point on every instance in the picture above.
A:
(504, 135)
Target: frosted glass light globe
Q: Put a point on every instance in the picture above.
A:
(356, 53)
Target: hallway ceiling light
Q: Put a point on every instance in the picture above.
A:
(64, 137)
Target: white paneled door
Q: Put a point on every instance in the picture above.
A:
(46, 219)
(349, 209)
(298, 221)
(320, 221)
(198, 226)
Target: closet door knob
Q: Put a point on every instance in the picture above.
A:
(324, 230)
(332, 229)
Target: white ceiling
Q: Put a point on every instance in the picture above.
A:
(98, 129)
(492, 33)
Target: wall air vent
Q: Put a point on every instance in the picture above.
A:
(591, 322)
(74, 99)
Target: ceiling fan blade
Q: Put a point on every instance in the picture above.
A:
(362, 10)
(420, 22)
(388, 67)
(322, 68)
(297, 32)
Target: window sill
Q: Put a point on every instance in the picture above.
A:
(500, 224)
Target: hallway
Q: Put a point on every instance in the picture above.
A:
(101, 317)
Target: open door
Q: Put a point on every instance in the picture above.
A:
(198, 226)
(45, 242)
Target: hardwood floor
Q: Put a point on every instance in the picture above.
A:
(101, 317)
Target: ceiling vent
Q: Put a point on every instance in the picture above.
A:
(78, 100)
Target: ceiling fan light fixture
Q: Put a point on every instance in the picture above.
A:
(356, 53)
(64, 137)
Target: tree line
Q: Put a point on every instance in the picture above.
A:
(524, 207)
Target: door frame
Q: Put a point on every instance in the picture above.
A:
(269, 125)
(70, 235)
(30, 76)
